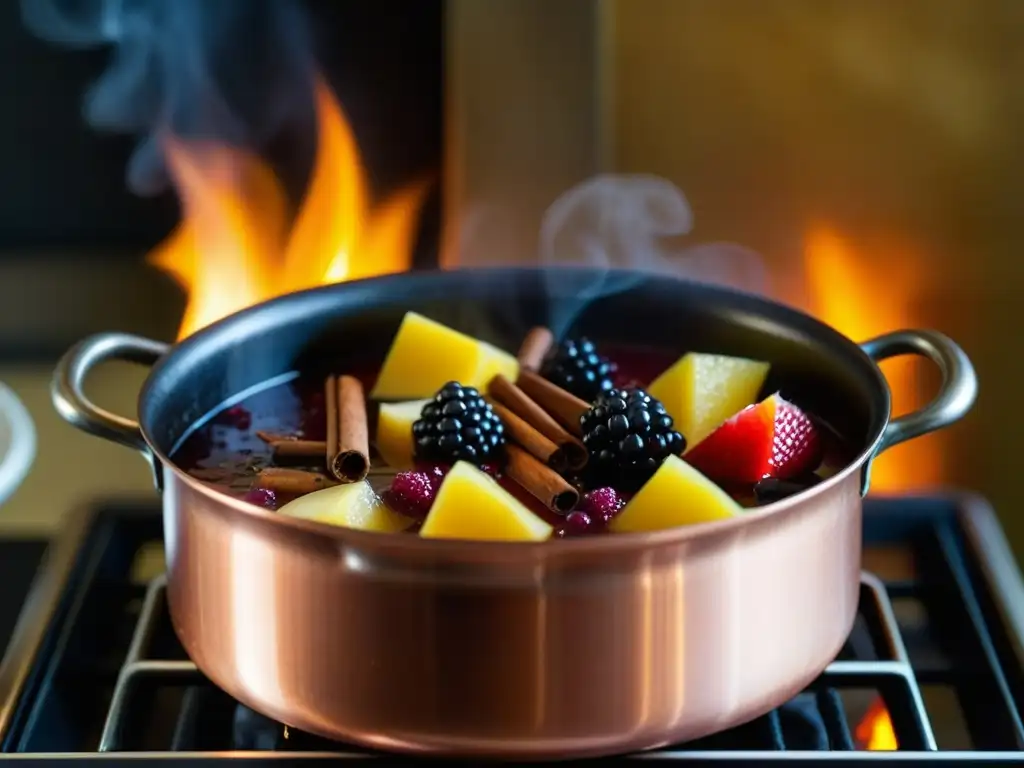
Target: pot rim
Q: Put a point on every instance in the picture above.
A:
(616, 543)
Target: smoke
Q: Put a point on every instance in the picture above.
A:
(622, 222)
(227, 70)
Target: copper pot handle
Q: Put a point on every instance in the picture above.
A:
(67, 389)
(956, 395)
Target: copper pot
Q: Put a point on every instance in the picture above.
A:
(562, 649)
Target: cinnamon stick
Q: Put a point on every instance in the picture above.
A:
(535, 348)
(298, 449)
(529, 438)
(540, 480)
(275, 437)
(292, 482)
(347, 447)
(564, 406)
(529, 410)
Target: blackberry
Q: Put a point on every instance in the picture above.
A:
(458, 424)
(628, 434)
(575, 366)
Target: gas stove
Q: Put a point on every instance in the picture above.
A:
(933, 670)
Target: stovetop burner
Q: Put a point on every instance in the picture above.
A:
(933, 668)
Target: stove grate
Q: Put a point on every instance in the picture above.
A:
(99, 666)
(814, 720)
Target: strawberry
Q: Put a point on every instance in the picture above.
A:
(772, 438)
(797, 446)
(739, 450)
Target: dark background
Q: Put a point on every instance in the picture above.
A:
(64, 184)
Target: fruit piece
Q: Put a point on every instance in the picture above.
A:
(353, 506)
(412, 493)
(575, 366)
(797, 448)
(394, 432)
(602, 504)
(771, 439)
(425, 354)
(577, 523)
(677, 495)
(471, 505)
(458, 424)
(701, 391)
(628, 434)
(740, 450)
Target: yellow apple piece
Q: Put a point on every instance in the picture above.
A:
(677, 494)
(354, 505)
(701, 391)
(394, 432)
(471, 505)
(426, 355)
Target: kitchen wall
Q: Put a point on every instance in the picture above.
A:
(897, 126)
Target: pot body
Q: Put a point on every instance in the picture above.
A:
(587, 653)
(488, 649)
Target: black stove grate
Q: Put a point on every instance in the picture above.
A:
(937, 641)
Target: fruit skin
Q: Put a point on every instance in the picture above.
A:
(773, 438)
(352, 506)
(628, 434)
(425, 354)
(797, 448)
(471, 505)
(575, 366)
(701, 391)
(458, 425)
(394, 432)
(677, 495)
(740, 450)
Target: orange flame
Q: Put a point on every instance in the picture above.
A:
(234, 246)
(849, 292)
(875, 732)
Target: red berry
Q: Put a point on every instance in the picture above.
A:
(602, 504)
(262, 497)
(237, 417)
(577, 523)
(412, 493)
(797, 446)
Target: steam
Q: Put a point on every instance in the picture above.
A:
(621, 222)
(202, 69)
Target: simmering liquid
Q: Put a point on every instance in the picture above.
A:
(227, 453)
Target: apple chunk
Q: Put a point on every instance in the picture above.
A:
(676, 495)
(701, 391)
(355, 505)
(394, 432)
(471, 505)
(425, 355)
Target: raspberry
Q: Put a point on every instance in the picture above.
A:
(602, 504)
(237, 417)
(577, 523)
(412, 493)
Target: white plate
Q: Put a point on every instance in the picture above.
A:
(17, 442)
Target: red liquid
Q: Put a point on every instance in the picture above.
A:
(227, 454)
